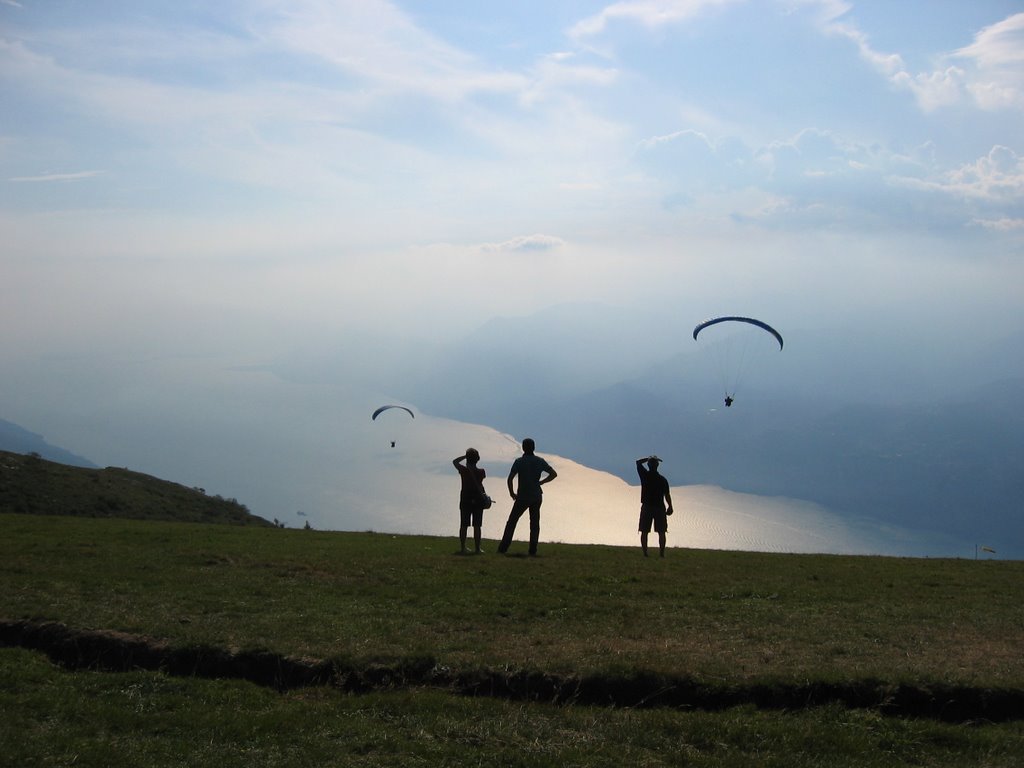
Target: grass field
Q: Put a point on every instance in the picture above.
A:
(757, 627)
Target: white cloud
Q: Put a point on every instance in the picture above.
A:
(555, 74)
(1001, 225)
(931, 89)
(998, 177)
(536, 242)
(989, 72)
(822, 178)
(377, 42)
(57, 177)
(647, 13)
(997, 60)
(941, 88)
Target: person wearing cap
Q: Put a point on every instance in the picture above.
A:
(654, 495)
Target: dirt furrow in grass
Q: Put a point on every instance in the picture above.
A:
(118, 651)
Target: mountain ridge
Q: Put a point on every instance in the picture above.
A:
(30, 484)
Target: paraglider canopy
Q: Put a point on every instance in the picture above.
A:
(734, 343)
(383, 408)
(735, 319)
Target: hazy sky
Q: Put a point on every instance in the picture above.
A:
(193, 176)
(246, 179)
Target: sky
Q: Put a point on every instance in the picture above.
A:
(247, 181)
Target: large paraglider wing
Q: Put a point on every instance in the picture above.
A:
(383, 408)
(751, 320)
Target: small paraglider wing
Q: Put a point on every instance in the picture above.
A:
(734, 319)
(383, 408)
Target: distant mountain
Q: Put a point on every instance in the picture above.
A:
(955, 466)
(947, 455)
(19, 440)
(32, 485)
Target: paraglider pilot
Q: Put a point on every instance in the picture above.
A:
(728, 401)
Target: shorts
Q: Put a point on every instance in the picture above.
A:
(471, 516)
(653, 516)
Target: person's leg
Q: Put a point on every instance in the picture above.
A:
(478, 521)
(661, 526)
(646, 519)
(463, 525)
(510, 526)
(534, 526)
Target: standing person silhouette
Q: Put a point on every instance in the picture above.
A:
(654, 492)
(471, 497)
(528, 468)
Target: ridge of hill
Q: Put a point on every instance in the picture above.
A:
(30, 484)
(20, 440)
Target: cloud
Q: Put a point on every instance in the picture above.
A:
(822, 178)
(941, 88)
(556, 74)
(996, 58)
(1001, 225)
(381, 45)
(830, 15)
(57, 177)
(998, 177)
(989, 190)
(931, 89)
(523, 243)
(989, 73)
(647, 13)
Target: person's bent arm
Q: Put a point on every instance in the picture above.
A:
(641, 470)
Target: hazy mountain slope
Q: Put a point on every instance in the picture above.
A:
(834, 420)
(340, 472)
(18, 440)
(32, 485)
(920, 446)
(955, 467)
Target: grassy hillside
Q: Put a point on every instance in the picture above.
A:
(32, 485)
(586, 655)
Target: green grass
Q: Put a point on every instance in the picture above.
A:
(57, 718)
(724, 620)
